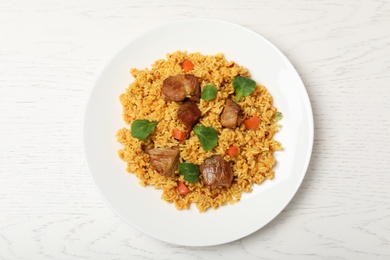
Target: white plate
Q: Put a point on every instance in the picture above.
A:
(142, 207)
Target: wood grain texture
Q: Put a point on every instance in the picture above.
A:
(51, 52)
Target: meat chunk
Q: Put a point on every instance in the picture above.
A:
(216, 172)
(177, 88)
(164, 160)
(229, 117)
(189, 114)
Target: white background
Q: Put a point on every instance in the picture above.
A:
(51, 53)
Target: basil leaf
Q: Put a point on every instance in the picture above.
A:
(141, 129)
(278, 116)
(190, 171)
(208, 136)
(209, 92)
(243, 86)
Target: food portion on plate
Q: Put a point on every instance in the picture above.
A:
(201, 130)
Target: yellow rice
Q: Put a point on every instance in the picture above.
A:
(142, 100)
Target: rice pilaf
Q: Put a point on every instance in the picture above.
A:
(255, 160)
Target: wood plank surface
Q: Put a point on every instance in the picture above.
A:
(51, 53)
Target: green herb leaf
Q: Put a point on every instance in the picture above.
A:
(141, 129)
(209, 92)
(208, 136)
(190, 171)
(278, 116)
(243, 86)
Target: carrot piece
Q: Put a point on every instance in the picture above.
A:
(233, 151)
(187, 65)
(252, 123)
(179, 135)
(182, 188)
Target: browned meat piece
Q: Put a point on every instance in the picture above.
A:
(177, 88)
(230, 113)
(189, 114)
(164, 160)
(216, 172)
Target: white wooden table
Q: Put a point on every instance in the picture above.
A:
(51, 53)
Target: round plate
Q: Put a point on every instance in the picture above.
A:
(142, 207)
